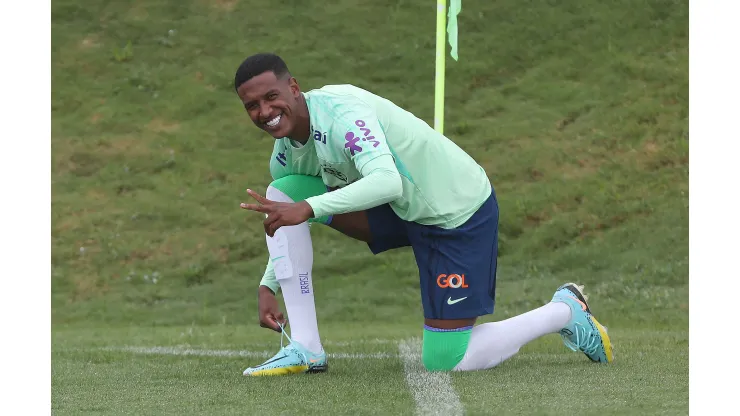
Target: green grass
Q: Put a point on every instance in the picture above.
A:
(578, 111)
(649, 378)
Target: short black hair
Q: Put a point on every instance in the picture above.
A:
(258, 64)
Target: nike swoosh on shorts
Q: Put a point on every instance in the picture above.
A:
(452, 302)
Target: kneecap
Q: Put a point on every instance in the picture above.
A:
(443, 350)
(299, 188)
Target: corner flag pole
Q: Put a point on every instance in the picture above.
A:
(439, 72)
(439, 68)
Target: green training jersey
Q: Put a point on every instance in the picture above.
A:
(350, 127)
(289, 159)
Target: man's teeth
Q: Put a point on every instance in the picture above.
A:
(274, 122)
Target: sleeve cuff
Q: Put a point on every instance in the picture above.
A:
(269, 279)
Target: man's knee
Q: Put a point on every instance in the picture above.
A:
(274, 193)
(299, 188)
(442, 351)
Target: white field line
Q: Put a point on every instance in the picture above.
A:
(433, 391)
(359, 342)
(233, 353)
(329, 343)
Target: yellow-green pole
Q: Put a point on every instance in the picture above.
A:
(439, 71)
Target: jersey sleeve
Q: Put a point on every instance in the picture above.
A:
(380, 185)
(269, 279)
(356, 136)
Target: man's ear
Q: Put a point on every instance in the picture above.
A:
(294, 87)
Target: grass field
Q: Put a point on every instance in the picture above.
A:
(578, 111)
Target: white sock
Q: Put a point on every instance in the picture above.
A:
(292, 254)
(494, 342)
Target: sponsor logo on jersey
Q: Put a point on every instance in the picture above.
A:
(319, 136)
(334, 172)
(353, 141)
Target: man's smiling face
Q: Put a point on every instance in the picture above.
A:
(271, 102)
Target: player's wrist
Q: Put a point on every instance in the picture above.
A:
(307, 209)
(263, 289)
(314, 203)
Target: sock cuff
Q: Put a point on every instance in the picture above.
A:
(430, 328)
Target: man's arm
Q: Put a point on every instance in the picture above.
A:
(269, 279)
(358, 137)
(380, 184)
(268, 308)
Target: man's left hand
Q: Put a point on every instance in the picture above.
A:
(279, 213)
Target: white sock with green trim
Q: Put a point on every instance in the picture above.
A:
(494, 342)
(291, 252)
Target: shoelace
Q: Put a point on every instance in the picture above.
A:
(583, 342)
(284, 333)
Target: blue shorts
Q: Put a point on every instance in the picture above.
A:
(457, 267)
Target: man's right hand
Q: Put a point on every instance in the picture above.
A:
(269, 311)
